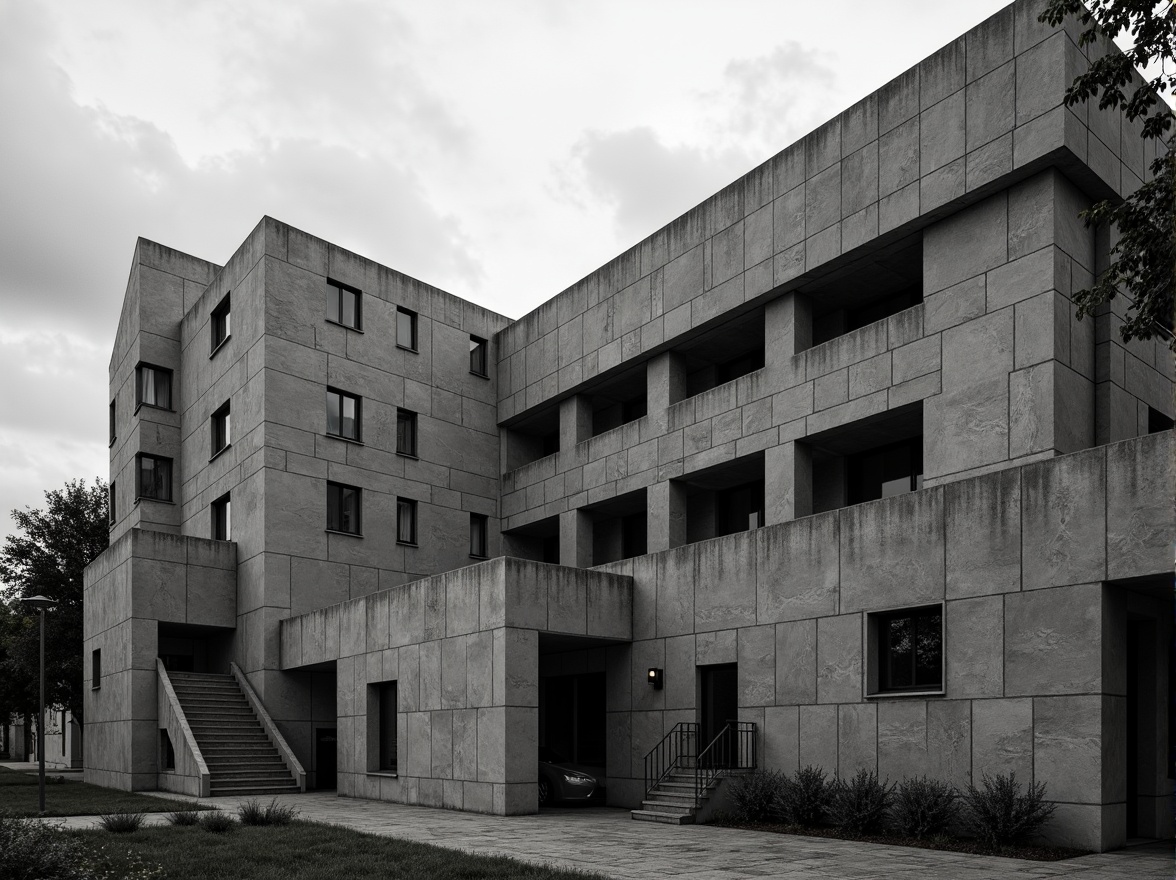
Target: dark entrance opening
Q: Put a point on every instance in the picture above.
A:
(718, 705)
(574, 717)
(325, 758)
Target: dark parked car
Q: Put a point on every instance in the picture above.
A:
(559, 781)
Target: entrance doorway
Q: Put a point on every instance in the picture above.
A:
(325, 758)
(718, 705)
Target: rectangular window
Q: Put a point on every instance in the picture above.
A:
(96, 668)
(222, 519)
(479, 527)
(478, 356)
(167, 753)
(155, 477)
(906, 650)
(886, 471)
(387, 726)
(406, 432)
(220, 322)
(113, 423)
(221, 430)
(153, 386)
(343, 305)
(343, 508)
(110, 503)
(343, 414)
(406, 524)
(406, 328)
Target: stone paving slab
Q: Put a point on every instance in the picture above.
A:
(607, 841)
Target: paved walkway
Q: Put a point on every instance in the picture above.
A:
(608, 842)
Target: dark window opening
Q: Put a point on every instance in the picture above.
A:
(154, 477)
(153, 386)
(406, 432)
(221, 324)
(221, 429)
(113, 422)
(479, 535)
(96, 668)
(724, 500)
(222, 524)
(1157, 421)
(531, 439)
(740, 508)
(343, 414)
(619, 528)
(886, 471)
(167, 753)
(388, 744)
(343, 508)
(406, 328)
(111, 503)
(406, 521)
(478, 358)
(908, 649)
(343, 304)
(537, 541)
(873, 289)
(722, 354)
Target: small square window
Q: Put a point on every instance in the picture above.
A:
(479, 527)
(221, 324)
(343, 414)
(222, 519)
(406, 521)
(110, 503)
(406, 432)
(905, 649)
(343, 304)
(113, 422)
(155, 477)
(221, 430)
(96, 668)
(153, 386)
(406, 328)
(478, 356)
(343, 508)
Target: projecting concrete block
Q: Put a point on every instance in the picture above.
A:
(1048, 639)
(902, 739)
(965, 244)
(797, 568)
(982, 524)
(1064, 520)
(839, 659)
(973, 642)
(1002, 738)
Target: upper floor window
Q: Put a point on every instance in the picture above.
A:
(153, 386)
(885, 471)
(343, 510)
(478, 356)
(406, 432)
(222, 522)
(154, 477)
(111, 502)
(343, 414)
(406, 521)
(406, 328)
(221, 327)
(113, 422)
(343, 304)
(479, 529)
(221, 430)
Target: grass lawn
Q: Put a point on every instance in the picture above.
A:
(308, 851)
(18, 797)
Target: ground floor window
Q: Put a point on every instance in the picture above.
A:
(906, 650)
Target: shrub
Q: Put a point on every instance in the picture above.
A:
(924, 807)
(184, 817)
(122, 821)
(804, 797)
(859, 805)
(217, 822)
(756, 796)
(33, 850)
(1000, 813)
(273, 813)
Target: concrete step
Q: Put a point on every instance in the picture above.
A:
(659, 806)
(662, 817)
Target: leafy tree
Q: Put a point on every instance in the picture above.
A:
(1143, 259)
(48, 559)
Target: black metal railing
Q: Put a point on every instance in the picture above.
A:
(678, 748)
(733, 749)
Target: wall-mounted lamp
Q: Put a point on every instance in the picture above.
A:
(654, 677)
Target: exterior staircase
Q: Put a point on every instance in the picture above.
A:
(672, 800)
(240, 757)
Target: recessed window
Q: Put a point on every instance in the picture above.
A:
(406, 521)
(478, 356)
(885, 471)
(220, 322)
(222, 518)
(110, 503)
(381, 738)
(906, 650)
(153, 386)
(343, 304)
(479, 528)
(96, 668)
(155, 477)
(167, 752)
(343, 414)
(343, 508)
(406, 328)
(406, 432)
(221, 430)
(113, 422)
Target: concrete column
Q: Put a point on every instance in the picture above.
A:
(665, 516)
(665, 378)
(575, 421)
(788, 331)
(788, 482)
(575, 539)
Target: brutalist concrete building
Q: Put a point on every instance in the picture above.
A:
(827, 465)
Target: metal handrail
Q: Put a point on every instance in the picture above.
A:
(679, 745)
(732, 750)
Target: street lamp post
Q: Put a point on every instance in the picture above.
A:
(41, 604)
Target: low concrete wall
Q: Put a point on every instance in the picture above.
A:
(190, 775)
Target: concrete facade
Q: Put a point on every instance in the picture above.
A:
(671, 462)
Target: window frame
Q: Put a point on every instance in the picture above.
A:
(343, 397)
(479, 352)
(413, 329)
(113, 421)
(479, 544)
(220, 429)
(220, 324)
(878, 661)
(406, 417)
(406, 513)
(339, 514)
(139, 495)
(139, 401)
(112, 503)
(339, 289)
(225, 504)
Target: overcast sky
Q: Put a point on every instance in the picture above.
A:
(499, 149)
